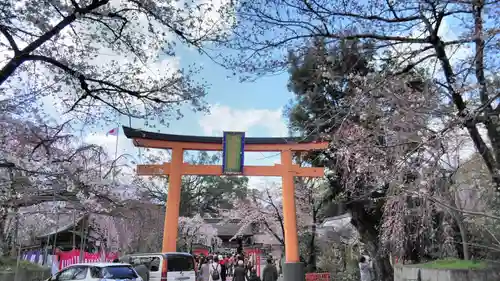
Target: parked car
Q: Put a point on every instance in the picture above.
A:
(172, 266)
(97, 272)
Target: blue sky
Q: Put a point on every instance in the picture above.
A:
(267, 93)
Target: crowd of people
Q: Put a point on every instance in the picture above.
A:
(218, 267)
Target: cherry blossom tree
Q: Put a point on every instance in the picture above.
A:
(42, 164)
(399, 154)
(138, 227)
(389, 144)
(376, 142)
(195, 230)
(89, 56)
(264, 208)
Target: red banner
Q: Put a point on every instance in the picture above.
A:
(71, 257)
(254, 255)
(318, 276)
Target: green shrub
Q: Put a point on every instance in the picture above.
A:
(454, 264)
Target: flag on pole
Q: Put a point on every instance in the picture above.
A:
(113, 132)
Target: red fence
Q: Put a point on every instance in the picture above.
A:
(318, 276)
(71, 257)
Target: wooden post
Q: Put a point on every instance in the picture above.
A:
(289, 212)
(173, 201)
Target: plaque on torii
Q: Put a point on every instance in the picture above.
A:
(233, 145)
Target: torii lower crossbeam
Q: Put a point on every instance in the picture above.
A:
(215, 170)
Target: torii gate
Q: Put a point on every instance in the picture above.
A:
(233, 145)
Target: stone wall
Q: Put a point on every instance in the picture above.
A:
(25, 275)
(413, 273)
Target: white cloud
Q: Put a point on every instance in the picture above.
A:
(223, 118)
(110, 144)
(122, 146)
(456, 53)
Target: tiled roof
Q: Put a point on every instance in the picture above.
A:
(66, 222)
(229, 227)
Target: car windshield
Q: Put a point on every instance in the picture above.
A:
(118, 272)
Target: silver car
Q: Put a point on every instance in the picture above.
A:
(97, 272)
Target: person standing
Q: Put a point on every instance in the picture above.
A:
(223, 268)
(248, 266)
(204, 274)
(215, 270)
(239, 273)
(270, 272)
(253, 275)
(365, 269)
(202, 260)
(230, 265)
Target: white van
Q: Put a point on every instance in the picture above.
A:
(165, 266)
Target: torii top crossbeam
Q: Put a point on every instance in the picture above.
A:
(183, 142)
(158, 140)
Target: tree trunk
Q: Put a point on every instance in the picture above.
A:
(383, 269)
(381, 262)
(465, 245)
(463, 235)
(312, 249)
(367, 223)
